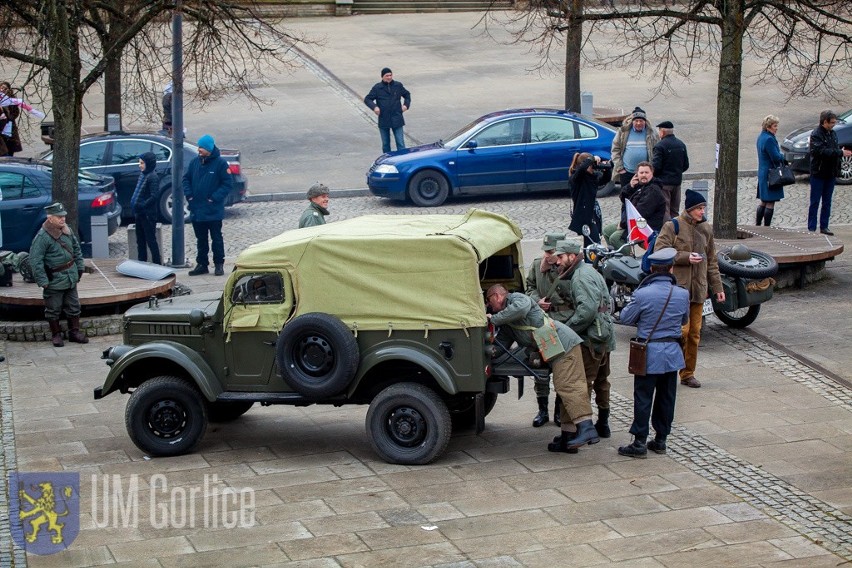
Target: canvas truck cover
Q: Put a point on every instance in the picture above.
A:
(390, 272)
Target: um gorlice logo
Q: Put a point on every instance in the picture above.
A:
(44, 510)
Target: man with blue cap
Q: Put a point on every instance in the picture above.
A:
(658, 310)
(206, 184)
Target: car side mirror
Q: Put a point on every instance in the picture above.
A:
(471, 144)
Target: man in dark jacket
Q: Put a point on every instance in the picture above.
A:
(658, 310)
(389, 99)
(825, 165)
(145, 205)
(206, 184)
(670, 161)
(646, 195)
(57, 265)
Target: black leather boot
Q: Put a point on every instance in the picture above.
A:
(557, 411)
(199, 269)
(586, 434)
(560, 444)
(635, 450)
(56, 333)
(219, 270)
(542, 417)
(75, 334)
(767, 217)
(602, 425)
(657, 445)
(761, 211)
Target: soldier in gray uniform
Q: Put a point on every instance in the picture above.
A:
(57, 265)
(542, 286)
(521, 320)
(318, 208)
(589, 317)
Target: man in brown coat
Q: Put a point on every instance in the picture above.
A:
(695, 267)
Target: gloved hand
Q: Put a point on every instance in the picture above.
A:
(79, 275)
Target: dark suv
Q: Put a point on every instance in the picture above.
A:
(117, 155)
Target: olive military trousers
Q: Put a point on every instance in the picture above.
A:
(596, 366)
(569, 381)
(57, 300)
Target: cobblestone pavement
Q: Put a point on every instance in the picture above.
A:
(252, 222)
(758, 469)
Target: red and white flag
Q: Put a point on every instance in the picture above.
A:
(633, 230)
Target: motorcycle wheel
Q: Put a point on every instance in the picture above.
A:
(740, 318)
(760, 265)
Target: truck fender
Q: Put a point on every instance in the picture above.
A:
(190, 361)
(432, 366)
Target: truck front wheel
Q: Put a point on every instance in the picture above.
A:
(165, 416)
(408, 424)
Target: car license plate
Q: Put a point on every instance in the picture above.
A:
(708, 307)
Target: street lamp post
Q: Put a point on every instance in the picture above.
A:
(178, 253)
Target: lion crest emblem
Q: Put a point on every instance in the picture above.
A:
(45, 510)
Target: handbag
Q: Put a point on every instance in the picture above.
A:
(780, 175)
(637, 361)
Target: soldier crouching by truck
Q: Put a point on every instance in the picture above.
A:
(57, 265)
(522, 320)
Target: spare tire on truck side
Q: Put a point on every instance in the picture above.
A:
(317, 355)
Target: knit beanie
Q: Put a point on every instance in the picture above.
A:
(693, 200)
(206, 142)
(385, 71)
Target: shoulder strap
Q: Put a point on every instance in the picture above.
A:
(676, 225)
(666, 305)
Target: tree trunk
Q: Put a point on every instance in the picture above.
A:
(728, 120)
(573, 45)
(65, 69)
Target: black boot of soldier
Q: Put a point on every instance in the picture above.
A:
(602, 425)
(767, 217)
(557, 411)
(560, 443)
(542, 417)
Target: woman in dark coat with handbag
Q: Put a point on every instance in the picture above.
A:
(585, 176)
(768, 156)
(145, 205)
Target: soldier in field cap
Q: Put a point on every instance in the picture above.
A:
(540, 286)
(317, 208)
(57, 264)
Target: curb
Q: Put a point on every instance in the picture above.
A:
(358, 192)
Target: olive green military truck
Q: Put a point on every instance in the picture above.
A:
(384, 310)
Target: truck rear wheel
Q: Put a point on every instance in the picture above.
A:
(408, 424)
(166, 416)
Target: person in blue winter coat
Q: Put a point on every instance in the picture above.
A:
(145, 204)
(768, 156)
(206, 184)
(659, 308)
(389, 99)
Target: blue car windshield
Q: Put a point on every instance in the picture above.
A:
(460, 135)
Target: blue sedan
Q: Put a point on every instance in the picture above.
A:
(506, 152)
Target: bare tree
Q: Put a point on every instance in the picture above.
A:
(804, 45)
(64, 47)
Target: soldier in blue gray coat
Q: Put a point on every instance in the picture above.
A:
(654, 392)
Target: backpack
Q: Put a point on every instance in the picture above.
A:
(646, 263)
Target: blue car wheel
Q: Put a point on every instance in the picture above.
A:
(428, 188)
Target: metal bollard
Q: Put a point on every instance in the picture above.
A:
(100, 236)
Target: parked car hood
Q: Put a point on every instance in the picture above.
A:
(415, 152)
